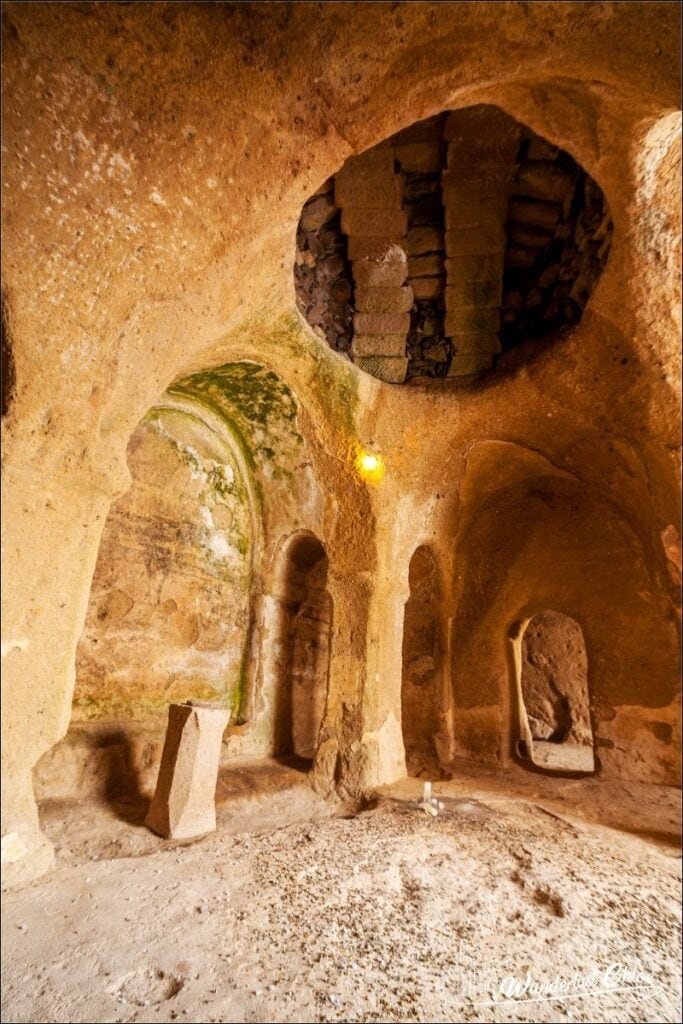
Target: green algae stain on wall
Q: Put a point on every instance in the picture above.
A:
(333, 378)
(247, 394)
(261, 412)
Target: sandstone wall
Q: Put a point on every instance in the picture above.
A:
(158, 157)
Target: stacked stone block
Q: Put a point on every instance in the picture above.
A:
(458, 236)
(419, 147)
(420, 152)
(540, 201)
(559, 233)
(369, 193)
(482, 149)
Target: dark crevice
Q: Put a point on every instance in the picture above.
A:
(428, 349)
(322, 272)
(7, 374)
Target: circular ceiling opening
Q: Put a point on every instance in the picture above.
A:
(447, 244)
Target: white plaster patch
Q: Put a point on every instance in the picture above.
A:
(212, 665)
(220, 546)
(118, 163)
(13, 645)
(217, 541)
(195, 459)
(12, 848)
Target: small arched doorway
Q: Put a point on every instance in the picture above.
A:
(306, 622)
(420, 689)
(554, 699)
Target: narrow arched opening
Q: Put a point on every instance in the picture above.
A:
(555, 725)
(420, 690)
(305, 626)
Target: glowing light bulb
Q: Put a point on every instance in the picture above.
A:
(370, 466)
(369, 462)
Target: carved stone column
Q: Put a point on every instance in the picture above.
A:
(370, 194)
(482, 148)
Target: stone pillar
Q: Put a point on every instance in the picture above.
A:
(482, 148)
(45, 494)
(419, 151)
(370, 195)
(184, 803)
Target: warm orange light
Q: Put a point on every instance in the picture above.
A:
(370, 466)
(369, 463)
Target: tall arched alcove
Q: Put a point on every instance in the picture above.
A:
(169, 610)
(537, 540)
(552, 693)
(304, 628)
(421, 659)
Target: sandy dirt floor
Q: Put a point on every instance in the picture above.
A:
(526, 899)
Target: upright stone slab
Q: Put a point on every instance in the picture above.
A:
(184, 803)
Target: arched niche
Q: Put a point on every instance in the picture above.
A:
(170, 605)
(304, 627)
(421, 661)
(551, 669)
(179, 601)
